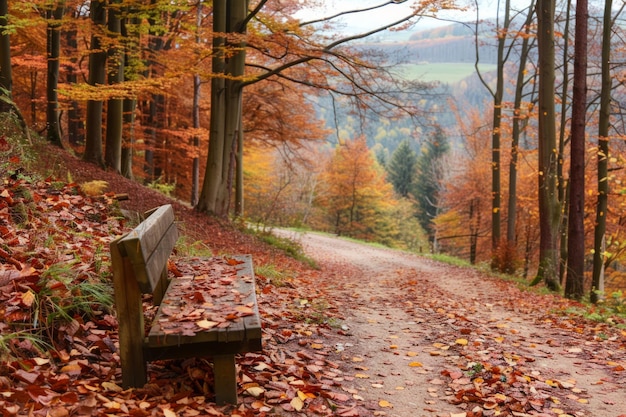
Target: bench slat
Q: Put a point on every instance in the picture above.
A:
(244, 330)
(149, 246)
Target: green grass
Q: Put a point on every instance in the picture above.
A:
(447, 73)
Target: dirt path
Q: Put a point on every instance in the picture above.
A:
(428, 339)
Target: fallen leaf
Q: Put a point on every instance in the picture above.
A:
(206, 324)
(297, 403)
(462, 342)
(385, 404)
(415, 364)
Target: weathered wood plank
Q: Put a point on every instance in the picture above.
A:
(130, 319)
(243, 330)
(149, 246)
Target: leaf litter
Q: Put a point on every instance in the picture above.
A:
(307, 366)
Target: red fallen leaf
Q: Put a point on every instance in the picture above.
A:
(337, 396)
(29, 377)
(232, 262)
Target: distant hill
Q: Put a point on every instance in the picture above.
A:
(452, 44)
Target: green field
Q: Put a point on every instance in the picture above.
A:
(443, 72)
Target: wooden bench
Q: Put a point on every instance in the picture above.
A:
(211, 310)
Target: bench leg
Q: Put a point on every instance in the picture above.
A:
(225, 374)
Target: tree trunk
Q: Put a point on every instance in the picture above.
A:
(213, 171)
(226, 98)
(520, 121)
(97, 76)
(115, 106)
(131, 34)
(54, 17)
(563, 183)
(496, 136)
(75, 125)
(6, 75)
(195, 114)
(549, 210)
(603, 159)
(576, 231)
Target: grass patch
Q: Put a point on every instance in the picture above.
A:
(273, 275)
(290, 247)
(447, 73)
(188, 248)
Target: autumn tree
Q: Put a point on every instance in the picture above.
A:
(599, 242)
(6, 77)
(115, 105)
(549, 207)
(54, 15)
(97, 76)
(355, 191)
(576, 231)
(402, 168)
(286, 51)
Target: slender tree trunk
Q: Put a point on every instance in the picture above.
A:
(549, 210)
(97, 76)
(496, 139)
(75, 125)
(597, 285)
(576, 230)
(226, 99)
(131, 51)
(215, 161)
(6, 75)
(115, 106)
(563, 183)
(195, 113)
(520, 121)
(54, 17)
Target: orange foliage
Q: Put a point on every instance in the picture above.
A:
(355, 191)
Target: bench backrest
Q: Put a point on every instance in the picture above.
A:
(149, 245)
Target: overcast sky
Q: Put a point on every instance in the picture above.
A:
(360, 22)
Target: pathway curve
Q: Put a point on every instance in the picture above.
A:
(428, 339)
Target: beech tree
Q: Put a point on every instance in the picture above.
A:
(281, 47)
(355, 190)
(576, 231)
(599, 242)
(549, 207)
(97, 76)
(54, 15)
(6, 77)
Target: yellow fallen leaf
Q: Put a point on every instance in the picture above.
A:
(302, 395)
(357, 359)
(317, 346)
(411, 354)
(206, 324)
(385, 404)
(361, 376)
(110, 386)
(297, 403)
(462, 342)
(415, 364)
(499, 339)
(393, 347)
(255, 391)
(583, 401)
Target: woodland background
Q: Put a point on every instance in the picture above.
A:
(430, 141)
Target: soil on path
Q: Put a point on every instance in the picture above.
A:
(428, 339)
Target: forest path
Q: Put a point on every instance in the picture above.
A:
(429, 339)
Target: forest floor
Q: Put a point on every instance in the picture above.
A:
(372, 332)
